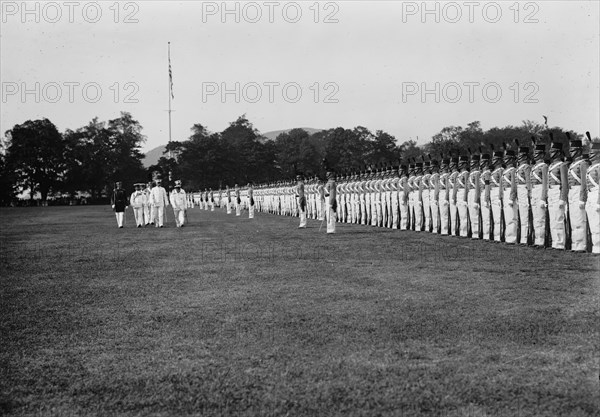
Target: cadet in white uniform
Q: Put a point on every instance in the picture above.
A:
(148, 212)
(159, 201)
(593, 201)
(178, 201)
(577, 177)
(138, 203)
(301, 201)
(331, 210)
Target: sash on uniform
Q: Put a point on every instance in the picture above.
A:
(471, 175)
(519, 177)
(534, 172)
(552, 168)
(590, 170)
(572, 170)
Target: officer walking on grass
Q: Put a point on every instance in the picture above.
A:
(178, 201)
(159, 201)
(119, 203)
(138, 203)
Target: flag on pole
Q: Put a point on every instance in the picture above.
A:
(170, 73)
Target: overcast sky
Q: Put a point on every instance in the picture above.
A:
(303, 64)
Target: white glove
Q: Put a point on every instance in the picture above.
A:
(126, 207)
(598, 207)
(113, 206)
(486, 204)
(582, 205)
(542, 204)
(511, 203)
(476, 206)
(561, 203)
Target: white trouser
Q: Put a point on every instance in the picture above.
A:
(578, 220)
(302, 219)
(435, 215)
(138, 213)
(453, 216)
(374, 211)
(557, 218)
(159, 215)
(363, 209)
(331, 217)
(403, 211)
(251, 211)
(444, 217)
(593, 212)
(418, 210)
(473, 214)
(463, 212)
(485, 219)
(148, 218)
(496, 204)
(395, 208)
(228, 206)
(120, 219)
(511, 218)
(538, 208)
(523, 199)
(238, 209)
(426, 210)
(320, 209)
(179, 217)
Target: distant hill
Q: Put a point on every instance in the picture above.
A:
(152, 156)
(273, 134)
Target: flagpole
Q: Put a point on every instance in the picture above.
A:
(169, 92)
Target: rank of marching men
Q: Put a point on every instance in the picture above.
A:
(507, 195)
(149, 203)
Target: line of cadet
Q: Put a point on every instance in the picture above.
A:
(505, 196)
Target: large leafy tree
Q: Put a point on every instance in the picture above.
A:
(7, 182)
(345, 148)
(296, 153)
(101, 153)
(88, 159)
(125, 142)
(36, 156)
(237, 155)
(383, 148)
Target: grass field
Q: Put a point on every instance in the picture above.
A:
(231, 316)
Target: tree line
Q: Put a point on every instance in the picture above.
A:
(92, 158)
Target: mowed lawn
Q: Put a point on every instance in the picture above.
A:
(231, 316)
